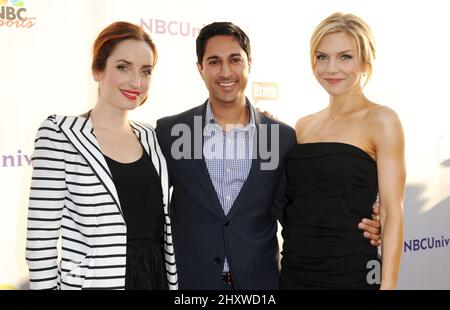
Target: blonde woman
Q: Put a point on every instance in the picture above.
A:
(345, 155)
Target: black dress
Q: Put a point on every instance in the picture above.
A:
(331, 187)
(139, 188)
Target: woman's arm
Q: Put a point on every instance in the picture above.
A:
(388, 139)
(47, 194)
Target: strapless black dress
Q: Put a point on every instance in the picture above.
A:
(331, 187)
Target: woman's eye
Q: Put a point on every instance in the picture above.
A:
(346, 57)
(321, 57)
(122, 67)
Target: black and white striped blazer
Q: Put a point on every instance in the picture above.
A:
(73, 196)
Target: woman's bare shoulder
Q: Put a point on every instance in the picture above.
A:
(304, 121)
(380, 115)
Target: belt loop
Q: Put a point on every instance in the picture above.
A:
(228, 278)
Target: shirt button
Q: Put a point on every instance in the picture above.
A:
(227, 197)
(230, 141)
(228, 170)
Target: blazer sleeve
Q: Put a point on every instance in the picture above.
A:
(281, 201)
(45, 207)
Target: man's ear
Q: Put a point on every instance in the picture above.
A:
(200, 69)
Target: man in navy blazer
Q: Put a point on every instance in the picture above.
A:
(225, 162)
(203, 235)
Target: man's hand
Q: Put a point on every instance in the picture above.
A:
(266, 113)
(371, 227)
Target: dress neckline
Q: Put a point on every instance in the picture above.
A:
(339, 144)
(127, 163)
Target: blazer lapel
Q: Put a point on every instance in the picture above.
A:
(80, 133)
(254, 172)
(199, 165)
(148, 139)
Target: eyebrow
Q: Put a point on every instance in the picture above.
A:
(130, 63)
(212, 57)
(343, 52)
(231, 56)
(125, 61)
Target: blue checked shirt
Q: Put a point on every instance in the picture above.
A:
(228, 157)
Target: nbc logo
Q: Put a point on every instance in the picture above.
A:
(13, 13)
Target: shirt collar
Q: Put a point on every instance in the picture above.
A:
(210, 120)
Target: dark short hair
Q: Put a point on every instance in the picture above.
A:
(217, 29)
(112, 35)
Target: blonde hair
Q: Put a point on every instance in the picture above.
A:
(354, 26)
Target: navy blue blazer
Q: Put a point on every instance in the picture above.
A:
(202, 235)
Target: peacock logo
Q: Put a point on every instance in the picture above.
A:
(16, 3)
(13, 14)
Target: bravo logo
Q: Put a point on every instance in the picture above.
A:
(13, 14)
(265, 91)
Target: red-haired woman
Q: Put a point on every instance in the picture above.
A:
(100, 183)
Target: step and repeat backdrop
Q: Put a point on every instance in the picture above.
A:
(45, 69)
